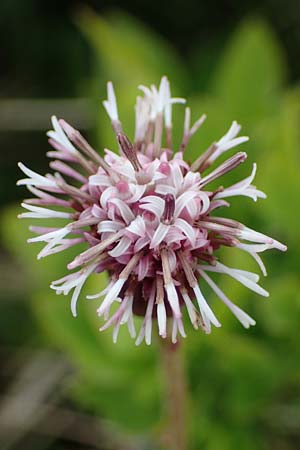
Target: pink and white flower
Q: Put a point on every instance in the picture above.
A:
(147, 217)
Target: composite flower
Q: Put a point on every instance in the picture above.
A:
(148, 217)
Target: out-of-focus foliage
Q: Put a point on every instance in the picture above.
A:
(129, 54)
(244, 385)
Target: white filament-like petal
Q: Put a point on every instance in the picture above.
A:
(241, 315)
(128, 317)
(246, 182)
(59, 136)
(186, 229)
(254, 236)
(141, 243)
(137, 191)
(197, 124)
(243, 187)
(233, 143)
(204, 308)
(121, 247)
(76, 281)
(143, 267)
(141, 335)
(182, 201)
(124, 210)
(107, 195)
(131, 327)
(101, 293)
(153, 204)
(100, 180)
(228, 141)
(244, 273)
(146, 328)
(159, 235)
(34, 178)
(142, 117)
(111, 296)
(177, 177)
(168, 106)
(117, 316)
(251, 192)
(181, 328)
(128, 309)
(173, 299)
(164, 189)
(148, 318)
(109, 226)
(116, 331)
(251, 249)
(187, 120)
(53, 238)
(137, 226)
(192, 312)
(162, 319)
(111, 103)
(231, 133)
(125, 168)
(248, 279)
(42, 213)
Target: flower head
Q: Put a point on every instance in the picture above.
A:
(148, 217)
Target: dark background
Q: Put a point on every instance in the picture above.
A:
(43, 54)
(40, 45)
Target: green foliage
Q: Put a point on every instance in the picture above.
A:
(251, 73)
(238, 379)
(129, 54)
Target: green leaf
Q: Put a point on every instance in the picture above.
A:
(279, 163)
(251, 73)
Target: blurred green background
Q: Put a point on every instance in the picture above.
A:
(63, 384)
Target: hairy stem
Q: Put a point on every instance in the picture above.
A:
(175, 402)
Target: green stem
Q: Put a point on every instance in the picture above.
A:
(175, 437)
